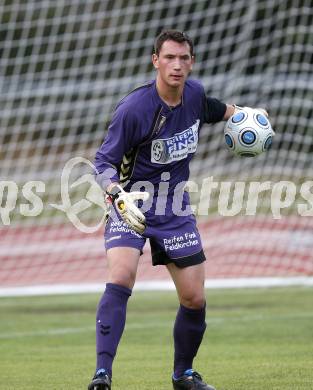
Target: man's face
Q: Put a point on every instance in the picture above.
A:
(173, 63)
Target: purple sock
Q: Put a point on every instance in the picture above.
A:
(111, 317)
(188, 333)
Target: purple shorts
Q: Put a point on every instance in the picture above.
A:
(177, 241)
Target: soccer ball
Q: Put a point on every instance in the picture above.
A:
(248, 132)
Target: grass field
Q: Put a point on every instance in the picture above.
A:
(256, 339)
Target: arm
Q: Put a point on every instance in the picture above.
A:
(216, 111)
(230, 110)
(123, 134)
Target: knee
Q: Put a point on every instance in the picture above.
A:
(193, 301)
(122, 278)
(122, 266)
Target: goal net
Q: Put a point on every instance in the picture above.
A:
(65, 65)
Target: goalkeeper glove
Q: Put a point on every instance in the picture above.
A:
(125, 205)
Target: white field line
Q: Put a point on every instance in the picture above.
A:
(211, 321)
(156, 285)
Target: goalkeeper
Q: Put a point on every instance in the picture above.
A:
(153, 136)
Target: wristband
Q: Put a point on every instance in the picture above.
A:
(113, 194)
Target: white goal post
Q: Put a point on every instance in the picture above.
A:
(65, 65)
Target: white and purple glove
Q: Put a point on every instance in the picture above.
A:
(125, 205)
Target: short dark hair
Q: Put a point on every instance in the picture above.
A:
(172, 35)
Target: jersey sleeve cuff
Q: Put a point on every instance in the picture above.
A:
(106, 178)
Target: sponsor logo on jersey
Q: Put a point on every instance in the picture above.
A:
(166, 150)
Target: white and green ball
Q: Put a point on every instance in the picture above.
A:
(248, 132)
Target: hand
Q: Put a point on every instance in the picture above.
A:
(262, 110)
(126, 207)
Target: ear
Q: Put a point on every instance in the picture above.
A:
(155, 61)
(192, 62)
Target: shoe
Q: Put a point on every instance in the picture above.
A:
(191, 380)
(101, 381)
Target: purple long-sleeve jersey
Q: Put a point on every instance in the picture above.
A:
(150, 142)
